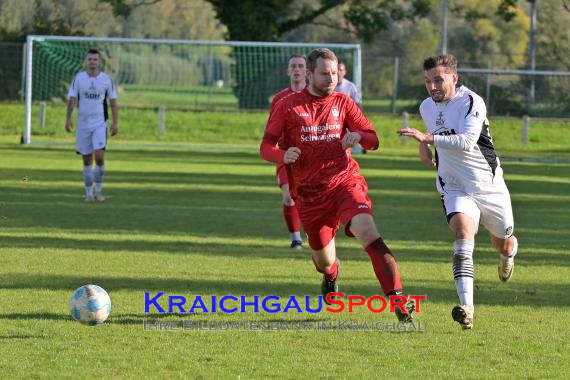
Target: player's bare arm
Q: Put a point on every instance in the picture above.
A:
(417, 135)
(426, 156)
(351, 139)
(115, 113)
(68, 121)
(291, 155)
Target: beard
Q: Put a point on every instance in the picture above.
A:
(322, 91)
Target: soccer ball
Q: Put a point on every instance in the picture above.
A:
(90, 305)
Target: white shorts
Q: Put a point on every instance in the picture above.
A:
(491, 208)
(90, 139)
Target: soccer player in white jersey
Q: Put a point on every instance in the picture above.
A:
(469, 175)
(90, 90)
(347, 87)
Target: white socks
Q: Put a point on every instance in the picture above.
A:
(463, 270)
(98, 176)
(88, 180)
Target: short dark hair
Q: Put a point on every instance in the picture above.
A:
(323, 53)
(93, 51)
(297, 56)
(445, 60)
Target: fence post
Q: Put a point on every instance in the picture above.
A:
(488, 88)
(395, 84)
(405, 124)
(525, 130)
(42, 115)
(161, 119)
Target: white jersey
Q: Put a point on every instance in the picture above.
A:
(464, 151)
(92, 94)
(349, 88)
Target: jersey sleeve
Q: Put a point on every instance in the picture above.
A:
(355, 95)
(273, 132)
(112, 89)
(73, 89)
(274, 101)
(357, 122)
(470, 127)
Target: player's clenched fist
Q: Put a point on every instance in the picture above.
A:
(69, 126)
(350, 139)
(291, 155)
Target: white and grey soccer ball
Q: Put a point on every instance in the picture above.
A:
(90, 305)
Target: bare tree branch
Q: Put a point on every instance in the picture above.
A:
(308, 16)
(148, 2)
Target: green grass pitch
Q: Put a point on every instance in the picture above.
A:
(207, 221)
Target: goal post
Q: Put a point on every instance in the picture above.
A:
(176, 74)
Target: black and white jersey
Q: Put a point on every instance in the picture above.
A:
(92, 94)
(464, 151)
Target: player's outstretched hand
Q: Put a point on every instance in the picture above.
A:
(414, 133)
(69, 126)
(114, 129)
(291, 155)
(350, 139)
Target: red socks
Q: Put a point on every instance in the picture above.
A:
(330, 274)
(292, 218)
(384, 265)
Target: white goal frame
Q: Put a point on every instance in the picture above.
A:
(27, 135)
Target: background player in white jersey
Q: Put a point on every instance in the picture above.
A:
(90, 90)
(470, 178)
(347, 87)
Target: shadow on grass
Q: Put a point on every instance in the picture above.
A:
(260, 250)
(22, 337)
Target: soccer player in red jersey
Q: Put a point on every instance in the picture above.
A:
(317, 127)
(297, 73)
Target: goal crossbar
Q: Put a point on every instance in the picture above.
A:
(29, 58)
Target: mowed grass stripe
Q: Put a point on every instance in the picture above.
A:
(186, 223)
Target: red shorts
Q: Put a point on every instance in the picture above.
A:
(321, 219)
(281, 173)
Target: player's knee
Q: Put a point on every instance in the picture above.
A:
(364, 229)
(463, 233)
(99, 160)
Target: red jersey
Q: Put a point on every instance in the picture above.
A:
(316, 125)
(281, 95)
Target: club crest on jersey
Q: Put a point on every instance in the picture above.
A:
(439, 121)
(92, 87)
(335, 113)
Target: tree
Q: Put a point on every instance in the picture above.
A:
(270, 20)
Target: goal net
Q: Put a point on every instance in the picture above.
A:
(176, 74)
